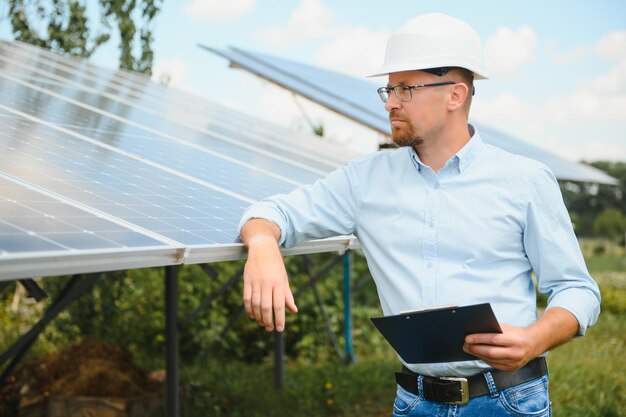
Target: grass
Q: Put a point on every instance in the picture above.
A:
(237, 389)
(587, 374)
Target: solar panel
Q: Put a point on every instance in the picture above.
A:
(356, 99)
(125, 176)
(254, 179)
(186, 109)
(37, 225)
(113, 183)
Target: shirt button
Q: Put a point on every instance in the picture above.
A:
(436, 186)
(429, 265)
(431, 225)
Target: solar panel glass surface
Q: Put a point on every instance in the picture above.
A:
(115, 184)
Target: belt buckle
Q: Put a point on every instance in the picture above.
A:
(464, 389)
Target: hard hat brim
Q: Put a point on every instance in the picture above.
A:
(418, 65)
(386, 70)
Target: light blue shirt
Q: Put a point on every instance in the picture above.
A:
(472, 233)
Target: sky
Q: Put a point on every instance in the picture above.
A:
(557, 68)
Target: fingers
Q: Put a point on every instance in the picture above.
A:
(247, 298)
(279, 308)
(499, 339)
(256, 304)
(266, 307)
(266, 299)
(487, 351)
(290, 302)
(504, 359)
(507, 351)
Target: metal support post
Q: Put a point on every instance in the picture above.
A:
(279, 360)
(347, 304)
(172, 394)
(34, 290)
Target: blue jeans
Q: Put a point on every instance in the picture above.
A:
(529, 399)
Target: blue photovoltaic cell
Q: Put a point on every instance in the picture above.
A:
(183, 108)
(171, 206)
(30, 221)
(77, 116)
(356, 98)
(215, 170)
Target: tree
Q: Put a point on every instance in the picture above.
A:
(586, 201)
(610, 223)
(64, 27)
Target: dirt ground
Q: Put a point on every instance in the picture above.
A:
(89, 368)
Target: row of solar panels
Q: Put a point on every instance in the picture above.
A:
(104, 170)
(355, 98)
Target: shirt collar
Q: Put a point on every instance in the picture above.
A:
(464, 157)
(470, 151)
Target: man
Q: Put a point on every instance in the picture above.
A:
(445, 219)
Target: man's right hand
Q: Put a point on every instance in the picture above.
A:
(266, 290)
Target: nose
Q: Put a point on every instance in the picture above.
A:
(392, 102)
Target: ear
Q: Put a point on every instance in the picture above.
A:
(458, 96)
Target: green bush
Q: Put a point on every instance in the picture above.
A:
(610, 223)
(599, 249)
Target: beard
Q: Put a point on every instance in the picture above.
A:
(404, 135)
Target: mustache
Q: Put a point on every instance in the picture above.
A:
(395, 116)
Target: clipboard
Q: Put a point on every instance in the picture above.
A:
(436, 335)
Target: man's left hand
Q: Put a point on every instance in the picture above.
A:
(507, 351)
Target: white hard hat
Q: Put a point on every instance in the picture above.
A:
(434, 40)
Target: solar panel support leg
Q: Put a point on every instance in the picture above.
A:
(172, 391)
(279, 360)
(347, 306)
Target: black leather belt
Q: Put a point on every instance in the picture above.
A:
(458, 390)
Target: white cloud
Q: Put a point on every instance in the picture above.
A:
(584, 108)
(508, 113)
(613, 82)
(310, 20)
(508, 49)
(354, 50)
(172, 72)
(612, 46)
(592, 149)
(562, 122)
(220, 10)
(586, 122)
(576, 55)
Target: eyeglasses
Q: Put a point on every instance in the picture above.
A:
(403, 92)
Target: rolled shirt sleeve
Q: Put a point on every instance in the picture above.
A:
(324, 209)
(554, 252)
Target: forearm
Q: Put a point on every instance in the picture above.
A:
(259, 231)
(554, 328)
